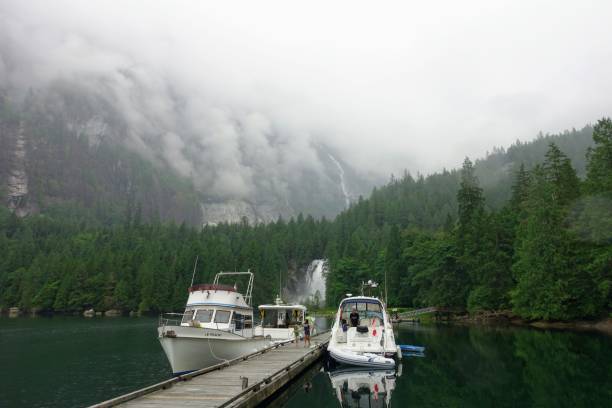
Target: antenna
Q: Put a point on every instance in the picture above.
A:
(385, 285)
(194, 270)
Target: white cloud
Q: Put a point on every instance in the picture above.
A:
(390, 85)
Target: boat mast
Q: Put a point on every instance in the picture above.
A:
(194, 270)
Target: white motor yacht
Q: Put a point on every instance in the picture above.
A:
(362, 334)
(279, 319)
(217, 325)
(359, 387)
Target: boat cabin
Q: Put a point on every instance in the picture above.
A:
(220, 307)
(278, 319)
(281, 316)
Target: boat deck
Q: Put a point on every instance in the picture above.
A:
(243, 382)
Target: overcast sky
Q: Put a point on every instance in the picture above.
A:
(415, 85)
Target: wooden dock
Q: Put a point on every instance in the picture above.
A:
(243, 382)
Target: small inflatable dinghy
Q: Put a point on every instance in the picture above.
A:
(363, 360)
(412, 349)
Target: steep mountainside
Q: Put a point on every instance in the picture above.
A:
(71, 151)
(54, 167)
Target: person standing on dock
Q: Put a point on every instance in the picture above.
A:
(296, 334)
(306, 333)
(313, 326)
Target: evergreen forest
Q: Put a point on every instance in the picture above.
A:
(537, 242)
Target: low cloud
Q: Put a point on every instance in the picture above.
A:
(237, 94)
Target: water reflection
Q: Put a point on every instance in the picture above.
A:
(476, 366)
(358, 387)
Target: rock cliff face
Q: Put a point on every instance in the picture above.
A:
(70, 147)
(17, 181)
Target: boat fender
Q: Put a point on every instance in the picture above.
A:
(170, 333)
(399, 352)
(362, 329)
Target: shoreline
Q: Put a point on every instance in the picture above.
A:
(603, 325)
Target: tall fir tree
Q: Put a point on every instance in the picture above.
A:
(470, 228)
(599, 164)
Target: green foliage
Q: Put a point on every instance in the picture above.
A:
(599, 168)
(551, 268)
(55, 265)
(539, 244)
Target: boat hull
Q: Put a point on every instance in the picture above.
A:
(369, 360)
(189, 348)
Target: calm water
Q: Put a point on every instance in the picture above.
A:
(58, 362)
(71, 362)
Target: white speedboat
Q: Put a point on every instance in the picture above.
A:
(358, 387)
(362, 334)
(279, 319)
(217, 326)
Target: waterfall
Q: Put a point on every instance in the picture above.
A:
(311, 288)
(347, 198)
(17, 184)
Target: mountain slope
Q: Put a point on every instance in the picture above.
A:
(72, 149)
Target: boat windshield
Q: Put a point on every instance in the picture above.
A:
(370, 311)
(187, 316)
(222, 316)
(281, 318)
(203, 315)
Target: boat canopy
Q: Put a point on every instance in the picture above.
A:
(361, 299)
(283, 307)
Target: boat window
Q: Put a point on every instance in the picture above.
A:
(222, 316)
(248, 321)
(296, 317)
(238, 321)
(270, 318)
(281, 318)
(203, 315)
(367, 310)
(187, 316)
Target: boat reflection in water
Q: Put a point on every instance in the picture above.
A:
(360, 387)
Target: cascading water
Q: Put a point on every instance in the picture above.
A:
(311, 288)
(347, 198)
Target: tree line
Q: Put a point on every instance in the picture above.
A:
(546, 253)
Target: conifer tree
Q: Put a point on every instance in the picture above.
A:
(520, 188)
(559, 172)
(599, 165)
(393, 265)
(470, 227)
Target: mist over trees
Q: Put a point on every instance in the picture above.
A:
(540, 254)
(537, 243)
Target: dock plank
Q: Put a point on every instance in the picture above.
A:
(222, 387)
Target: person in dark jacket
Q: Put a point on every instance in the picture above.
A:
(354, 316)
(306, 333)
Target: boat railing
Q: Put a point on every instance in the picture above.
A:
(175, 319)
(170, 319)
(248, 294)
